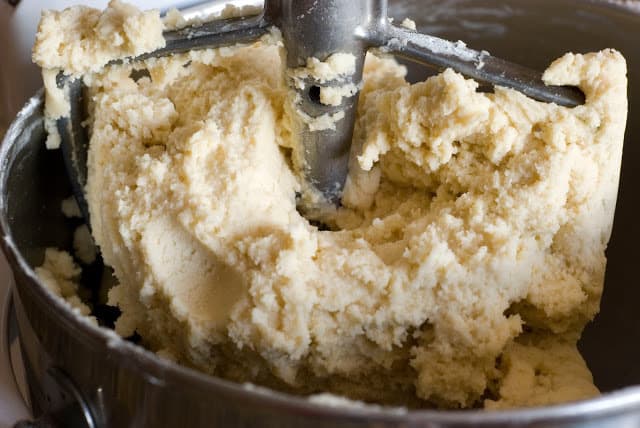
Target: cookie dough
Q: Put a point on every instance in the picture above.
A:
(60, 274)
(467, 258)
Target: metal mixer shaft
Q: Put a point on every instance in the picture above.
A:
(318, 29)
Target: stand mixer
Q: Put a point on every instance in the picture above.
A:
(608, 345)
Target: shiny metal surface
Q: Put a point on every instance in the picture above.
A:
(125, 385)
(479, 65)
(14, 403)
(312, 28)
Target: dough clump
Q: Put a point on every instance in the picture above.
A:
(460, 272)
(60, 274)
(81, 39)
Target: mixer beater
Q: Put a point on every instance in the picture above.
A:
(319, 29)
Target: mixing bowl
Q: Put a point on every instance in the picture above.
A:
(82, 375)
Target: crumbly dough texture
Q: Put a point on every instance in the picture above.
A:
(467, 258)
(82, 39)
(60, 274)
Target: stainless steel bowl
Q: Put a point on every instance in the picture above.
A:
(86, 376)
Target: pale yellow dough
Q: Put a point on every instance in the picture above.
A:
(467, 217)
(60, 274)
(81, 39)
